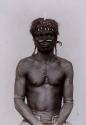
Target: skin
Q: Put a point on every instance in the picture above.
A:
(44, 79)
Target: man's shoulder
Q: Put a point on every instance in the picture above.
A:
(66, 64)
(64, 61)
(25, 61)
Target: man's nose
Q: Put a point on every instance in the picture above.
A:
(44, 37)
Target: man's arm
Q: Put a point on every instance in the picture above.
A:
(19, 96)
(67, 95)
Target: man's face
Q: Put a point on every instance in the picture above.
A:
(45, 41)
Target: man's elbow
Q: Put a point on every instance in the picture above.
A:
(70, 106)
(69, 103)
(18, 103)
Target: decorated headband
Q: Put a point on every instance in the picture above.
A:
(42, 24)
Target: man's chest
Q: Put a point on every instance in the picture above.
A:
(51, 73)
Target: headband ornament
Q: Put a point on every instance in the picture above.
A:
(42, 24)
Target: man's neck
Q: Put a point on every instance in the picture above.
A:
(45, 56)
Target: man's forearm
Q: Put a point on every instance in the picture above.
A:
(25, 111)
(65, 112)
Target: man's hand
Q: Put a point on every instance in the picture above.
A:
(57, 123)
(37, 122)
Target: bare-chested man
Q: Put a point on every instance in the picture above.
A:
(44, 79)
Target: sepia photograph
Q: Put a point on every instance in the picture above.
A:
(42, 65)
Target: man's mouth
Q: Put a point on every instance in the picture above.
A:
(43, 41)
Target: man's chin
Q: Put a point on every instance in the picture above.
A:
(45, 49)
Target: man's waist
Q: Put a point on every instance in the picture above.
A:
(46, 116)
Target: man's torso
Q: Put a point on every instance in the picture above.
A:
(44, 83)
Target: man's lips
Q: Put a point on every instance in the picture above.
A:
(40, 41)
(45, 42)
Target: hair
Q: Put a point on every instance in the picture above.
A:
(41, 22)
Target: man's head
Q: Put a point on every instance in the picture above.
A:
(44, 32)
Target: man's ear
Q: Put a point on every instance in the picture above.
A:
(60, 43)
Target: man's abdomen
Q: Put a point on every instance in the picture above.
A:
(44, 98)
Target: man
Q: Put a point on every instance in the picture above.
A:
(44, 79)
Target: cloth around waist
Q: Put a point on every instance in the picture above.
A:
(46, 116)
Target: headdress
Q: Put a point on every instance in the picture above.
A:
(41, 24)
